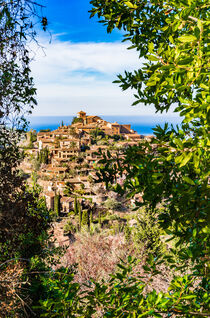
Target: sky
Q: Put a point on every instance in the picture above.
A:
(76, 63)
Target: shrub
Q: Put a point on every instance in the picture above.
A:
(69, 228)
(147, 233)
(112, 204)
(127, 232)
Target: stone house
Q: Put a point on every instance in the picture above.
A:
(67, 204)
(49, 197)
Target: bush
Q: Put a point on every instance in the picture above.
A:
(127, 233)
(147, 233)
(69, 228)
(112, 204)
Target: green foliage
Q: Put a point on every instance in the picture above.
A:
(127, 232)
(16, 90)
(124, 295)
(80, 216)
(77, 206)
(85, 218)
(43, 156)
(91, 217)
(45, 130)
(173, 168)
(31, 138)
(69, 228)
(69, 188)
(99, 218)
(23, 239)
(147, 233)
(57, 204)
(112, 204)
(76, 120)
(95, 133)
(61, 295)
(117, 137)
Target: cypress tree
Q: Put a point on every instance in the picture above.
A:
(91, 217)
(76, 210)
(85, 217)
(57, 204)
(80, 216)
(99, 218)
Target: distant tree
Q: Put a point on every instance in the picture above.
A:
(44, 155)
(76, 206)
(91, 217)
(76, 120)
(30, 143)
(72, 131)
(95, 133)
(112, 204)
(68, 190)
(72, 145)
(69, 228)
(85, 218)
(45, 130)
(80, 216)
(99, 218)
(57, 204)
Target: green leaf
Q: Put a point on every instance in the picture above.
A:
(131, 5)
(151, 83)
(152, 58)
(188, 180)
(149, 312)
(151, 47)
(186, 159)
(199, 24)
(189, 297)
(204, 86)
(178, 159)
(178, 142)
(187, 38)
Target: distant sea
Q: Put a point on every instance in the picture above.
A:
(143, 125)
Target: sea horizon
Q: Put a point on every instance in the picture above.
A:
(143, 125)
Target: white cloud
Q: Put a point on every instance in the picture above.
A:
(73, 76)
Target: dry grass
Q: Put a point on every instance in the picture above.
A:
(10, 286)
(96, 255)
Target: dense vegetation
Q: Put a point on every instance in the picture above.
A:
(24, 218)
(171, 173)
(172, 170)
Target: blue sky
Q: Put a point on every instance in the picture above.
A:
(75, 70)
(72, 18)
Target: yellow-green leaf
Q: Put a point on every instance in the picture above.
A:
(186, 159)
(187, 38)
(131, 5)
(188, 180)
(204, 86)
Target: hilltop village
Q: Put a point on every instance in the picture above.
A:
(64, 161)
(96, 225)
